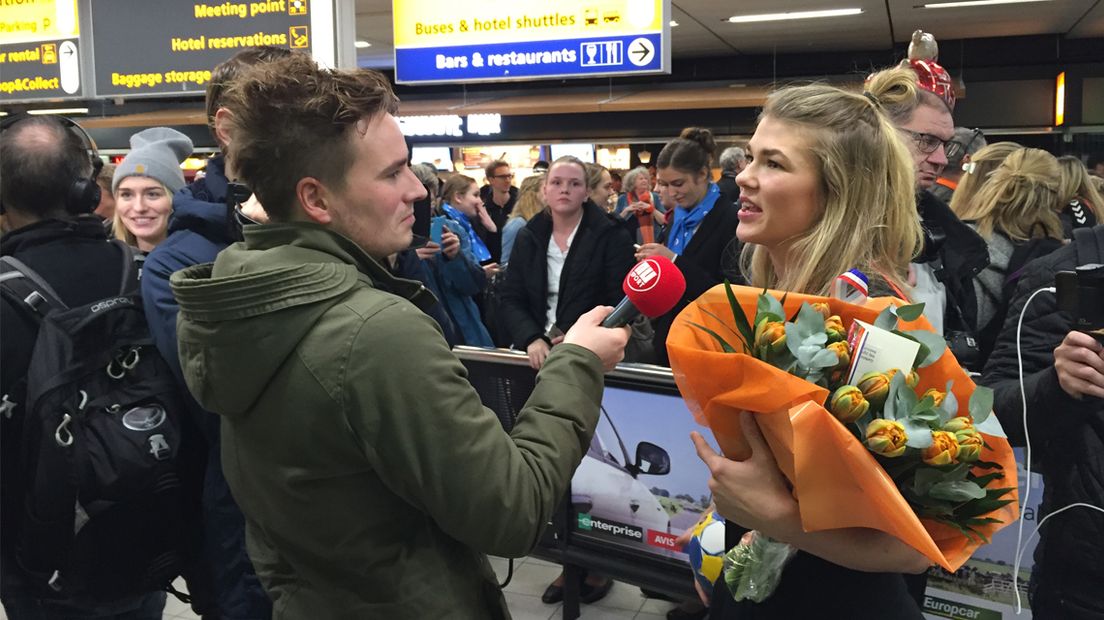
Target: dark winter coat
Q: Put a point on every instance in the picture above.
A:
(702, 263)
(600, 256)
(1067, 439)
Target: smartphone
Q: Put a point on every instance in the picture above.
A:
(422, 212)
(436, 227)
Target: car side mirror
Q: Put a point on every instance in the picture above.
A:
(651, 459)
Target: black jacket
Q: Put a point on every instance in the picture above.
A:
(962, 253)
(499, 215)
(1067, 440)
(600, 256)
(728, 187)
(701, 262)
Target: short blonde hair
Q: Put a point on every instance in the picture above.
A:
(982, 164)
(867, 184)
(1020, 198)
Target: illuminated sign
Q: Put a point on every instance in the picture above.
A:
(481, 40)
(159, 47)
(451, 125)
(1060, 99)
(39, 50)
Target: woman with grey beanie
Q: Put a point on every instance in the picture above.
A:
(144, 184)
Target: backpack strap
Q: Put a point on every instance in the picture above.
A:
(132, 267)
(27, 288)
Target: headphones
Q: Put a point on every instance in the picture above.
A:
(84, 194)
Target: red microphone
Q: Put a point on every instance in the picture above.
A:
(652, 288)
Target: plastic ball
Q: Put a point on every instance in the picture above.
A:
(706, 549)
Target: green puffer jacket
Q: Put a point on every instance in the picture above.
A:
(372, 479)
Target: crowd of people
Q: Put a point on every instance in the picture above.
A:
(349, 469)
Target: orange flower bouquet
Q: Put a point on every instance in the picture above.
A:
(913, 452)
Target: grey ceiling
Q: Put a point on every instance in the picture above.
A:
(703, 31)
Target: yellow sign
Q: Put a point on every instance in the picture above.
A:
(49, 53)
(300, 39)
(41, 20)
(436, 23)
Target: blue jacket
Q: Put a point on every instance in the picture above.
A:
(198, 230)
(459, 280)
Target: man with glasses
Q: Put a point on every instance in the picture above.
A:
(965, 143)
(499, 196)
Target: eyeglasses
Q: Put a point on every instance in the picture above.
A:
(503, 176)
(957, 150)
(926, 142)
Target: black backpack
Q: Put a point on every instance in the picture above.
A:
(104, 512)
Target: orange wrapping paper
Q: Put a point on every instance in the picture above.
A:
(837, 482)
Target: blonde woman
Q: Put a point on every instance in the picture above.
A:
(1016, 211)
(529, 203)
(599, 186)
(829, 187)
(977, 170)
(1081, 203)
(144, 184)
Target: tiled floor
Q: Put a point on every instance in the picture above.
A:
(531, 577)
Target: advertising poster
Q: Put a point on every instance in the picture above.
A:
(983, 588)
(617, 504)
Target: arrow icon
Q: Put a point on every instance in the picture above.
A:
(641, 51)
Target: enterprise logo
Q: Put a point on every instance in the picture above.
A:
(620, 530)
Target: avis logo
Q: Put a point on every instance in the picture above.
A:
(643, 276)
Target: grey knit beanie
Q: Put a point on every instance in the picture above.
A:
(156, 153)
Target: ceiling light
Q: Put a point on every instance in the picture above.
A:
(361, 44)
(673, 23)
(772, 17)
(59, 111)
(956, 5)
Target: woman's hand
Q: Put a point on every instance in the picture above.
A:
(491, 269)
(429, 250)
(654, 249)
(753, 492)
(485, 219)
(538, 353)
(450, 244)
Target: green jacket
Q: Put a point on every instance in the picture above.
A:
(372, 479)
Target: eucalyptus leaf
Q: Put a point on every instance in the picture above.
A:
(934, 342)
(981, 404)
(991, 426)
(886, 319)
(738, 316)
(767, 304)
(925, 479)
(919, 434)
(930, 417)
(910, 312)
(825, 358)
(949, 408)
(925, 404)
(956, 491)
(724, 344)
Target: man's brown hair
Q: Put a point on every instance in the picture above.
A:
(493, 166)
(293, 119)
(228, 70)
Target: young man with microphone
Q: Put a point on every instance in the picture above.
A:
(372, 480)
